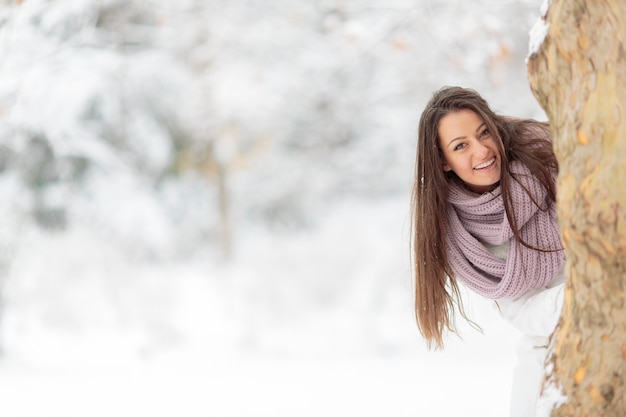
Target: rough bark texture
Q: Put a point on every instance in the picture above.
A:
(578, 75)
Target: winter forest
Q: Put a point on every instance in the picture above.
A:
(205, 205)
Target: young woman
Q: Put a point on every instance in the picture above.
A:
(484, 215)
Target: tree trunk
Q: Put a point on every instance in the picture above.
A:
(578, 75)
(225, 233)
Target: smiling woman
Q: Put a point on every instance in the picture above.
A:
(484, 215)
(469, 150)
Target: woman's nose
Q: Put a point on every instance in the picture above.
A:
(480, 149)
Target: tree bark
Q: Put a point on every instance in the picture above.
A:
(578, 75)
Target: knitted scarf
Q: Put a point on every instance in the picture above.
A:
(474, 219)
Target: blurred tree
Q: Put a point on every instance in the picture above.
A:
(324, 91)
(578, 74)
(157, 129)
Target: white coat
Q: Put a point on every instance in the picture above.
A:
(535, 314)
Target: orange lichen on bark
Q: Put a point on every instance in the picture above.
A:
(589, 184)
(608, 247)
(566, 236)
(579, 375)
(596, 395)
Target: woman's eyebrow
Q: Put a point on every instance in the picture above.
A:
(455, 139)
(463, 137)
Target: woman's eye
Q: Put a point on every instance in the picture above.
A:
(459, 146)
(484, 133)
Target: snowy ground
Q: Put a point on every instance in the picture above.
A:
(419, 385)
(315, 324)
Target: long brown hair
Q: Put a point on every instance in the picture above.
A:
(437, 294)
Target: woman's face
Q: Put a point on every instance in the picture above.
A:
(469, 150)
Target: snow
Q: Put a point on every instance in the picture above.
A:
(540, 29)
(112, 120)
(269, 387)
(544, 8)
(537, 35)
(551, 398)
(200, 338)
(552, 395)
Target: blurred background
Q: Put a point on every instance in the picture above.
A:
(205, 205)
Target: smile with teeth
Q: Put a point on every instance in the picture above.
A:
(486, 164)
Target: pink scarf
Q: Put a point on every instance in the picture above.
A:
(472, 219)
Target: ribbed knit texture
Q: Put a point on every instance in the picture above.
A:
(472, 217)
